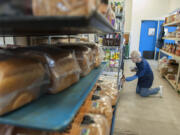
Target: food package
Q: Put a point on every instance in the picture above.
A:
(103, 8)
(172, 69)
(64, 7)
(178, 50)
(163, 71)
(162, 63)
(105, 90)
(95, 124)
(170, 19)
(171, 76)
(62, 65)
(83, 55)
(23, 79)
(96, 54)
(102, 105)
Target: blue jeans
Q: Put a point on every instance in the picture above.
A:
(145, 92)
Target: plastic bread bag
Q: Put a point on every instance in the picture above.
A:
(108, 81)
(96, 53)
(94, 124)
(102, 105)
(64, 7)
(107, 91)
(83, 55)
(23, 79)
(62, 64)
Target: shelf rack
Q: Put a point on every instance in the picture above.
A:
(174, 83)
(54, 112)
(57, 25)
(173, 24)
(171, 38)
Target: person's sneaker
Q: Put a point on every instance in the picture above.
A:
(161, 91)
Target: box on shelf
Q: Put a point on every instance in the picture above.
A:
(170, 19)
(126, 38)
(171, 76)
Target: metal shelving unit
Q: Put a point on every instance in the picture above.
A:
(173, 24)
(173, 83)
(61, 25)
(54, 112)
(171, 38)
(118, 71)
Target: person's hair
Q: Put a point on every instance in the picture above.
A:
(135, 54)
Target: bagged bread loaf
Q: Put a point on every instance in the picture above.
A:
(83, 55)
(23, 79)
(102, 105)
(105, 90)
(95, 124)
(62, 65)
(96, 53)
(64, 7)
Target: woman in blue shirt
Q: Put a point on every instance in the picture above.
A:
(144, 75)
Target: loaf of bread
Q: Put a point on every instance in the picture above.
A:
(64, 7)
(83, 54)
(23, 79)
(105, 90)
(95, 124)
(102, 106)
(62, 65)
(96, 54)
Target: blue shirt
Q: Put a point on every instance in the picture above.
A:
(145, 74)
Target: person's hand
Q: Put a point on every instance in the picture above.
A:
(123, 79)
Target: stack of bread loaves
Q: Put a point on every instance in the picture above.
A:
(64, 7)
(62, 65)
(83, 54)
(102, 105)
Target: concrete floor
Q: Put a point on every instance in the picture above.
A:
(148, 116)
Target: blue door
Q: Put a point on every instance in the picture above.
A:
(148, 38)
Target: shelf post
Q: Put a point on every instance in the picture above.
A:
(177, 77)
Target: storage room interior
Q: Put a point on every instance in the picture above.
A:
(89, 67)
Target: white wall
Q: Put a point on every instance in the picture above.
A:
(145, 10)
(128, 15)
(174, 4)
